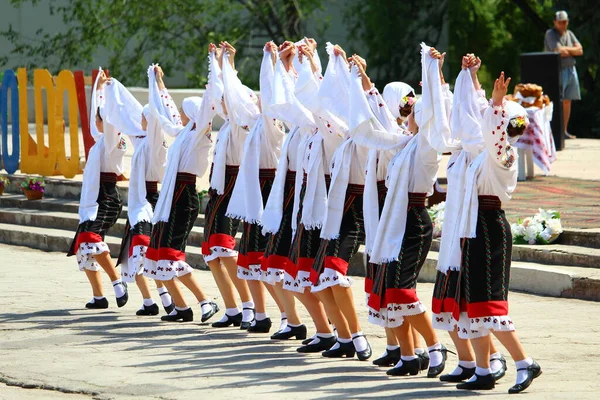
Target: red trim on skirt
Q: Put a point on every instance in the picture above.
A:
(277, 262)
(447, 305)
(87, 237)
(335, 263)
(218, 239)
(152, 254)
(369, 285)
(487, 309)
(138, 240)
(250, 258)
(401, 296)
(167, 253)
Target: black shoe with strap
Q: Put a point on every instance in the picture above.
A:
(412, 367)
(389, 359)
(433, 372)
(180, 315)
(344, 350)
(424, 359)
(169, 309)
(299, 332)
(262, 326)
(533, 371)
(121, 301)
(235, 320)
(324, 344)
(97, 304)
(214, 308)
(310, 339)
(466, 373)
(365, 354)
(482, 382)
(148, 310)
(502, 371)
(245, 325)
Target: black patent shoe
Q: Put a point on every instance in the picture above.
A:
(390, 358)
(324, 344)
(169, 309)
(344, 350)
(180, 315)
(121, 301)
(433, 372)
(244, 326)
(424, 359)
(502, 371)
(412, 367)
(299, 332)
(483, 382)
(466, 374)
(214, 308)
(533, 371)
(310, 339)
(365, 354)
(148, 310)
(97, 304)
(235, 320)
(263, 326)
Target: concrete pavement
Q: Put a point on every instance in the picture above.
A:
(48, 340)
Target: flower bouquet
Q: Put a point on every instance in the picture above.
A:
(33, 188)
(543, 228)
(3, 182)
(436, 213)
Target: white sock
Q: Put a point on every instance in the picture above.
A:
(435, 357)
(174, 312)
(419, 351)
(391, 347)
(481, 372)
(261, 316)
(181, 308)
(165, 297)
(205, 306)
(316, 339)
(118, 287)
(461, 367)
(229, 312)
(96, 298)
(284, 323)
(337, 343)
(495, 365)
(360, 341)
(148, 302)
(522, 375)
(247, 315)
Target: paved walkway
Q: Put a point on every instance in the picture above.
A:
(48, 340)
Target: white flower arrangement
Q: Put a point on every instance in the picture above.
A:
(436, 213)
(543, 228)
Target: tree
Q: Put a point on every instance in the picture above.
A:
(175, 33)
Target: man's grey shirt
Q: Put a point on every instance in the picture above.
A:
(554, 39)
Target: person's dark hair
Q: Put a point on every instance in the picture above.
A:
(98, 115)
(515, 131)
(406, 110)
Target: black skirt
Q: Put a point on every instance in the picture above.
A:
(333, 255)
(371, 267)
(253, 243)
(110, 206)
(276, 259)
(219, 229)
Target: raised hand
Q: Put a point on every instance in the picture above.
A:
(338, 51)
(287, 51)
(312, 43)
(500, 89)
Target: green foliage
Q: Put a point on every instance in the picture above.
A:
(174, 33)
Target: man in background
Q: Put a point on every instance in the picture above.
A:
(561, 40)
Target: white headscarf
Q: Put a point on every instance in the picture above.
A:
(394, 93)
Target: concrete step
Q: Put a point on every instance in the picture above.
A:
(558, 281)
(557, 254)
(581, 237)
(64, 206)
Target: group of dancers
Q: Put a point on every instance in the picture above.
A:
(315, 166)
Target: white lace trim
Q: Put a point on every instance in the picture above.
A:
(252, 273)
(134, 265)
(86, 252)
(218, 251)
(331, 277)
(292, 284)
(471, 328)
(272, 276)
(444, 321)
(397, 311)
(165, 270)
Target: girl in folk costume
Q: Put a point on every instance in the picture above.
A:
(390, 111)
(123, 112)
(486, 256)
(277, 218)
(255, 179)
(178, 204)
(469, 104)
(220, 229)
(404, 231)
(297, 105)
(100, 204)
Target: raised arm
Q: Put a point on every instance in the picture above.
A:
(161, 104)
(122, 110)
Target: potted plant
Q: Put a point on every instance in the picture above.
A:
(3, 183)
(33, 188)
